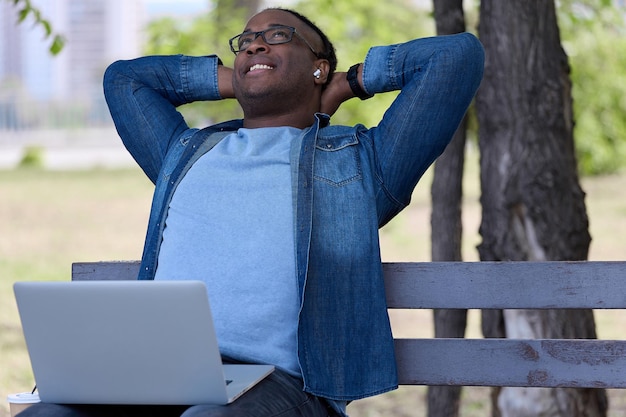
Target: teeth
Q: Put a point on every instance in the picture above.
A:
(259, 67)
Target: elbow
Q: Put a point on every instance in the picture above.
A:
(471, 58)
(113, 74)
(460, 63)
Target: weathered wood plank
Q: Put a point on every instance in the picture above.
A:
(488, 362)
(471, 285)
(485, 285)
(110, 270)
(510, 363)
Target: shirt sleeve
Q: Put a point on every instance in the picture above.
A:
(142, 95)
(437, 78)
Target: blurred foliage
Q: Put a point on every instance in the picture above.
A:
(26, 10)
(352, 26)
(33, 157)
(355, 26)
(203, 35)
(593, 34)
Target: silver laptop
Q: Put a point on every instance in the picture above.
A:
(127, 342)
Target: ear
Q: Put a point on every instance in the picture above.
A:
(324, 66)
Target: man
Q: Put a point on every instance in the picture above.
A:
(279, 212)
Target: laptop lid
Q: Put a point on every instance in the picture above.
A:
(126, 342)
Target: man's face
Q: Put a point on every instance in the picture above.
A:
(264, 71)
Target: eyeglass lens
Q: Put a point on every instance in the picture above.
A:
(271, 36)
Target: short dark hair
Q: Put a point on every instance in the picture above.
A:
(328, 52)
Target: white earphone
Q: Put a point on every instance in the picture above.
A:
(317, 73)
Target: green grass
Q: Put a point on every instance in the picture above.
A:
(49, 219)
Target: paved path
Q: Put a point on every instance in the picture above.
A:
(59, 158)
(66, 149)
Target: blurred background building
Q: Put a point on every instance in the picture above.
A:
(56, 101)
(66, 87)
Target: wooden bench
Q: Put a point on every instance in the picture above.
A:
(580, 363)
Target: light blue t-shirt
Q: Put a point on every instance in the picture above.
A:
(230, 224)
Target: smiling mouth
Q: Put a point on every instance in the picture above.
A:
(256, 67)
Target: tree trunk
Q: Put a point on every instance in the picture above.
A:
(533, 206)
(446, 221)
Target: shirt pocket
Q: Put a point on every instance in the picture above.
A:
(337, 160)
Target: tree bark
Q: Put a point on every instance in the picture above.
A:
(533, 206)
(446, 220)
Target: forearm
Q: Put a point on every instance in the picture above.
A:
(178, 79)
(391, 68)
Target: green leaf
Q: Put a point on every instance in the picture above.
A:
(23, 14)
(47, 27)
(57, 44)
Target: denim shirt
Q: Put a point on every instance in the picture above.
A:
(347, 183)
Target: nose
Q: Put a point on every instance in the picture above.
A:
(257, 45)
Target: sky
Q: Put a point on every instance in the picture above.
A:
(177, 7)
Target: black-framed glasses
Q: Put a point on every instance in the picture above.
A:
(272, 36)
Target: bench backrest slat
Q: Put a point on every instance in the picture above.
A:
(95, 271)
(500, 285)
(485, 285)
(479, 285)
